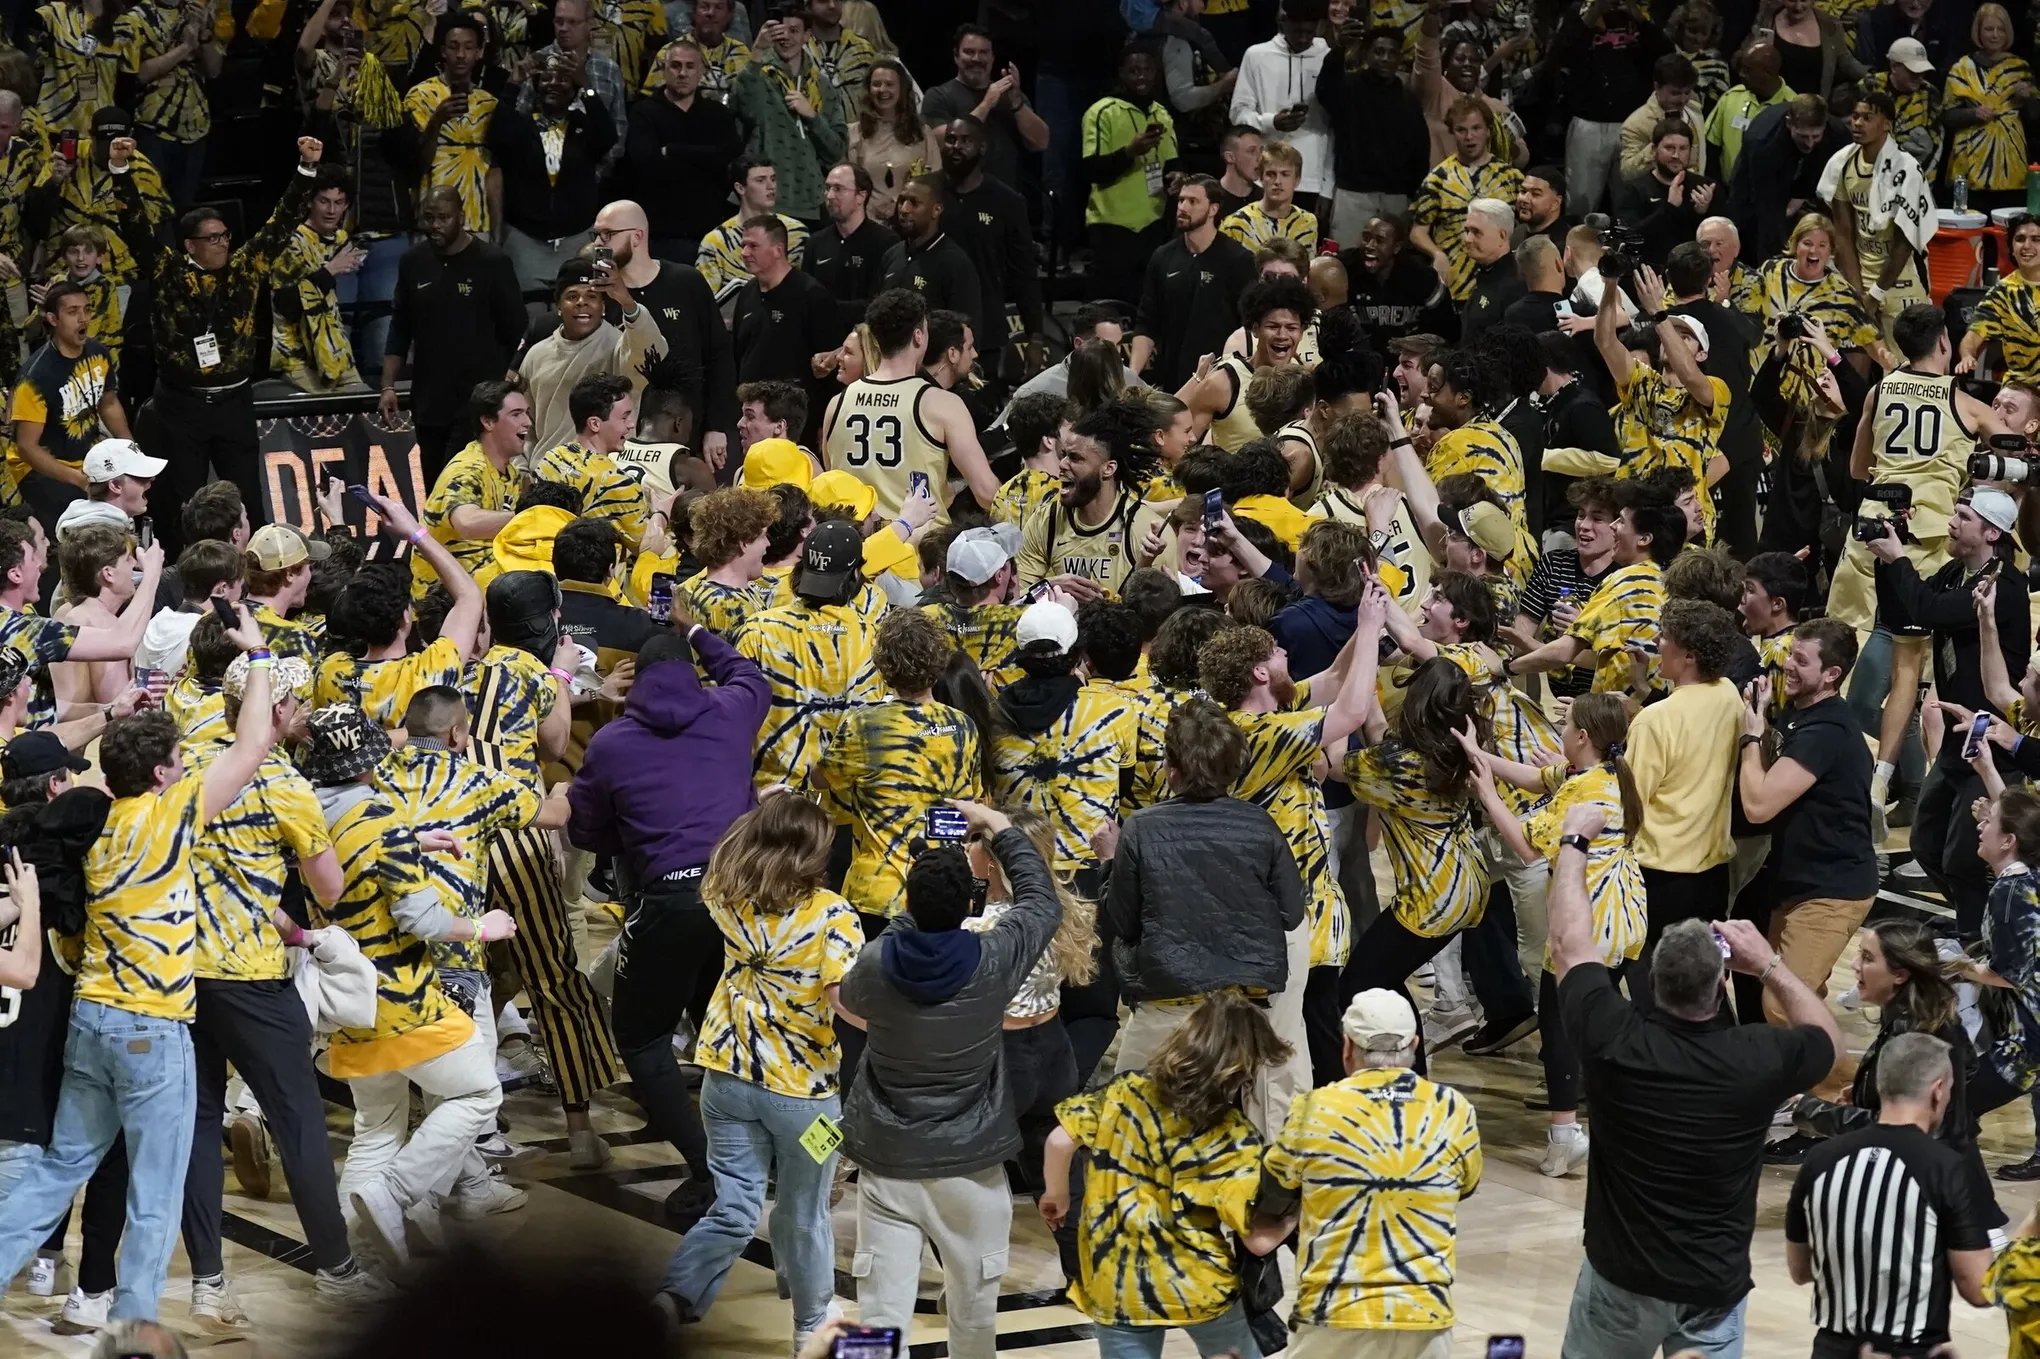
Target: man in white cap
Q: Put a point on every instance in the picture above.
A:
(974, 603)
(1380, 1161)
(1905, 77)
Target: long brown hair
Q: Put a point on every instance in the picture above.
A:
(1926, 998)
(1438, 705)
(1606, 724)
(1201, 1069)
(906, 120)
(773, 857)
(1074, 946)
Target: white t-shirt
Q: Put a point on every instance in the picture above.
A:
(1588, 289)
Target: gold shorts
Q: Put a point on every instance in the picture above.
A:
(1853, 595)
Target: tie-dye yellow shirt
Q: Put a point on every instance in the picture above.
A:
(141, 909)
(241, 860)
(1440, 208)
(1433, 840)
(460, 159)
(987, 633)
(79, 68)
(769, 1021)
(888, 764)
(1069, 772)
(1282, 748)
(818, 665)
(1991, 155)
(1623, 610)
(1485, 449)
(1023, 492)
(2010, 314)
(1666, 427)
(720, 608)
(383, 689)
(1614, 874)
(607, 489)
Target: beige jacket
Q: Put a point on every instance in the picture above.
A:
(1636, 144)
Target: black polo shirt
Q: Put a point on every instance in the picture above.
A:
(851, 267)
(1190, 305)
(1495, 286)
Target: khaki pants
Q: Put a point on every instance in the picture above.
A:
(1810, 935)
(1852, 597)
(1327, 1342)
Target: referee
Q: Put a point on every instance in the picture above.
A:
(203, 329)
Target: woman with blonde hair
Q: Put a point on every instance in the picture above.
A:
(1988, 98)
(769, 1057)
(1174, 1172)
(887, 138)
(1805, 281)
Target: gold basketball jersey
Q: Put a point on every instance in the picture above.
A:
(1918, 440)
(1233, 427)
(878, 436)
(1299, 430)
(1401, 559)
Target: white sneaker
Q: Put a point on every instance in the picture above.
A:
(519, 1063)
(361, 1286)
(215, 1309)
(501, 1153)
(422, 1218)
(1912, 873)
(483, 1195)
(586, 1150)
(1565, 1152)
(1444, 1027)
(382, 1225)
(83, 1312)
(49, 1276)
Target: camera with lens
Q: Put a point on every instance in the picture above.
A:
(1621, 246)
(2010, 460)
(1896, 498)
(1791, 326)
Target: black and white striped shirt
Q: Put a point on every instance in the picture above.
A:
(1880, 1210)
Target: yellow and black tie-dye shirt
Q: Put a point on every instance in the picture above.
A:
(1281, 750)
(200, 711)
(241, 859)
(468, 478)
(303, 638)
(1433, 840)
(1253, 227)
(1918, 127)
(769, 1020)
(433, 789)
(1146, 783)
(1623, 610)
(1772, 653)
(847, 61)
(607, 489)
(174, 108)
(1522, 730)
(45, 642)
(1828, 299)
(460, 160)
(1658, 424)
(2010, 314)
(1990, 155)
(1614, 873)
(309, 345)
(888, 764)
(1490, 452)
(624, 31)
(383, 867)
(1023, 492)
(722, 609)
(383, 689)
(1162, 1201)
(141, 909)
(987, 633)
(1069, 771)
(1440, 208)
(818, 664)
(63, 395)
(509, 693)
(1382, 1159)
(721, 259)
(79, 69)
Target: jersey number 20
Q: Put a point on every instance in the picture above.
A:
(891, 449)
(1925, 427)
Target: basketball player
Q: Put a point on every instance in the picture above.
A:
(1084, 541)
(1276, 312)
(1920, 435)
(893, 423)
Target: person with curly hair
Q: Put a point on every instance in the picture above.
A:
(731, 536)
(1087, 539)
(1276, 311)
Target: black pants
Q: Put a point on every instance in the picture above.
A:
(1090, 1013)
(1488, 952)
(1322, 1011)
(198, 437)
(1735, 498)
(260, 1027)
(1944, 840)
(1383, 958)
(1041, 1072)
(669, 963)
(1673, 897)
(46, 498)
(105, 1217)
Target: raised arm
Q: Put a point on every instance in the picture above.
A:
(1408, 472)
(1607, 340)
(1356, 696)
(261, 249)
(464, 620)
(1997, 677)
(118, 642)
(1571, 923)
(254, 733)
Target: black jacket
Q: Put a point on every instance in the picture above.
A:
(1943, 603)
(1200, 898)
(1641, 203)
(1381, 142)
(545, 206)
(942, 272)
(680, 159)
(990, 223)
(1770, 173)
(461, 318)
(851, 267)
(1190, 305)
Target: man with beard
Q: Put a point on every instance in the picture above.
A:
(848, 255)
(1540, 206)
(1381, 145)
(989, 220)
(459, 315)
(928, 260)
(1189, 301)
(1394, 291)
(992, 97)
(1085, 541)
(696, 358)
(1276, 311)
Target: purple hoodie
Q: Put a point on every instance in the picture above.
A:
(663, 782)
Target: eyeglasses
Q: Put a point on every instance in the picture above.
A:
(607, 234)
(214, 237)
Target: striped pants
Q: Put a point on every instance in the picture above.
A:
(524, 879)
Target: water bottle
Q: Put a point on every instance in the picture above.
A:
(2033, 188)
(1961, 194)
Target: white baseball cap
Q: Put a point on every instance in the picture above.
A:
(1047, 621)
(79, 513)
(1379, 1021)
(1996, 508)
(1694, 329)
(110, 458)
(1910, 53)
(977, 553)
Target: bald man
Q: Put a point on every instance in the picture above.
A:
(698, 361)
(1328, 283)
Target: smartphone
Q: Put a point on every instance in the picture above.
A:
(659, 599)
(1722, 944)
(145, 531)
(867, 1342)
(603, 258)
(1562, 307)
(1505, 1347)
(67, 146)
(361, 493)
(917, 483)
(1973, 745)
(947, 825)
(1214, 508)
(224, 611)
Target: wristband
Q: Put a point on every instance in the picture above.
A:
(1748, 739)
(260, 655)
(1578, 842)
(1765, 975)
(296, 937)
(417, 537)
(1403, 442)
(563, 676)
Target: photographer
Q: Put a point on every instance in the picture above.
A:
(1979, 543)
(1809, 401)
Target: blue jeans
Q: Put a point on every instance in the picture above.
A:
(1610, 1322)
(1224, 1333)
(365, 301)
(127, 1072)
(753, 1132)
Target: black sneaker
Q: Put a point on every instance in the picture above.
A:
(2028, 1169)
(1790, 1151)
(1497, 1034)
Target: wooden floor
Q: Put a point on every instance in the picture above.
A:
(1519, 1243)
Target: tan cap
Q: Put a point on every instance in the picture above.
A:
(278, 547)
(1488, 526)
(1380, 1021)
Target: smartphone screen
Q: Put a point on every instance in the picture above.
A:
(948, 825)
(145, 530)
(361, 493)
(867, 1342)
(1214, 508)
(224, 611)
(1973, 747)
(917, 483)
(1505, 1347)
(659, 599)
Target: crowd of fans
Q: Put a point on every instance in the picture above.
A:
(1091, 589)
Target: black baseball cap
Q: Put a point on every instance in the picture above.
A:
(829, 562)
(35, 753)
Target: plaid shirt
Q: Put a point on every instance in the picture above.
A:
(600, 74)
